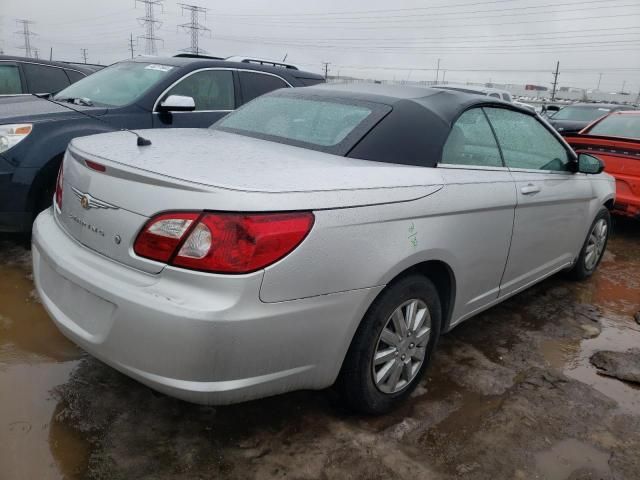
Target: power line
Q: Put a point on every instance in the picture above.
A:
(501, 12)
(26, 35)
(150, 24)
(194, 27)
(379, 26)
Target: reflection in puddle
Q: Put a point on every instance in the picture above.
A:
(34, 358)
(569, 456)
(615, 287)
(617, 336)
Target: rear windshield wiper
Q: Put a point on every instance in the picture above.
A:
(77, 101)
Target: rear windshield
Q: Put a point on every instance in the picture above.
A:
(581, 114)
(317, 123)
(627, 126)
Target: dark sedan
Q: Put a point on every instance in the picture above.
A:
(137, 94)
(573, 118)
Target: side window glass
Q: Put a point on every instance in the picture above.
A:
(494, 95)
(9, 79)
(210, 89)
(471, 142)
(43, 79)
(255, 84)
(525, 142)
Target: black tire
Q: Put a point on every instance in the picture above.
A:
(581, 270)
(356, 382)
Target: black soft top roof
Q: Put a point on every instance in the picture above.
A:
(416, 129)
(447, 105)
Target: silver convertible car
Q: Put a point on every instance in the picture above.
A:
(315, 236)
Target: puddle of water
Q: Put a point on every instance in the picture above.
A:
(34, 358)
(569, 455)
(616, 336)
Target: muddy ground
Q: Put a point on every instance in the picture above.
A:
(511, 395)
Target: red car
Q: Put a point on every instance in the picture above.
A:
(615, 139)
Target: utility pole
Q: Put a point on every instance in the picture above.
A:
(326, 70)
(50, 53)
(84, 54)
(131, 44)
(36, 53)
(624, 82)
(150, 24)
(194, 27)
(26, 34)
(437, 72)
(599, 80)
(555, 81)
(444, 72)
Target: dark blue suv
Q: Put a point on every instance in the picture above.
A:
(175, 92)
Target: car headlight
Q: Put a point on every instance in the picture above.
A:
(11, 135)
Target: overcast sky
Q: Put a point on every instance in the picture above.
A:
(506, 41)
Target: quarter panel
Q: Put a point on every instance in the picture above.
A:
(467, 225)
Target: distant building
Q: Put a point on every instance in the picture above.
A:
(537, 88)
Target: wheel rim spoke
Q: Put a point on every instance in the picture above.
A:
(389, 337)
(400, 323)
(396, 371)
(383, 356)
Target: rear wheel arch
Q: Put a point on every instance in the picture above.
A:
(609, 204)
(443, 278)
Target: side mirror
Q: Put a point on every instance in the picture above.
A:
(177, 103)
(589, 164)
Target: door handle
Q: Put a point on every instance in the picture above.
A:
(530, 189)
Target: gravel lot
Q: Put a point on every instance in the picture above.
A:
(511, 394)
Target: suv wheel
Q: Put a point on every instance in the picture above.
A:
(392, 347)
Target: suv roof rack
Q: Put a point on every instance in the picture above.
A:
(260, 61)
(197, 55)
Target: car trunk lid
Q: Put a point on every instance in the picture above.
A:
(112, 186)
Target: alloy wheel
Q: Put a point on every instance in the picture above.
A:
(401, 347)
(596, 244)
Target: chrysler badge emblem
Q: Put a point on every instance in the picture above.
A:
(87, 201)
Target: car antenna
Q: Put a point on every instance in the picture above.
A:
(141, 141)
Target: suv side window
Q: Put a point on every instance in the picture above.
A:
(471, 142)
(9, 79)
(255, 84)
(44, 79)
(210, 89)
(526, 143)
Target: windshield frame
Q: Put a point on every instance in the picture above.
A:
(96, 103)
(342, 148)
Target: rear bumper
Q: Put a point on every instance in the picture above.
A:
(199, 337)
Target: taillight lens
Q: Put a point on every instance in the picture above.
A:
(161, 236)
(223, 242)
(59, 187)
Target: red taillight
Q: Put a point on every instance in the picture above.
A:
(224, 242)
(59, 187)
